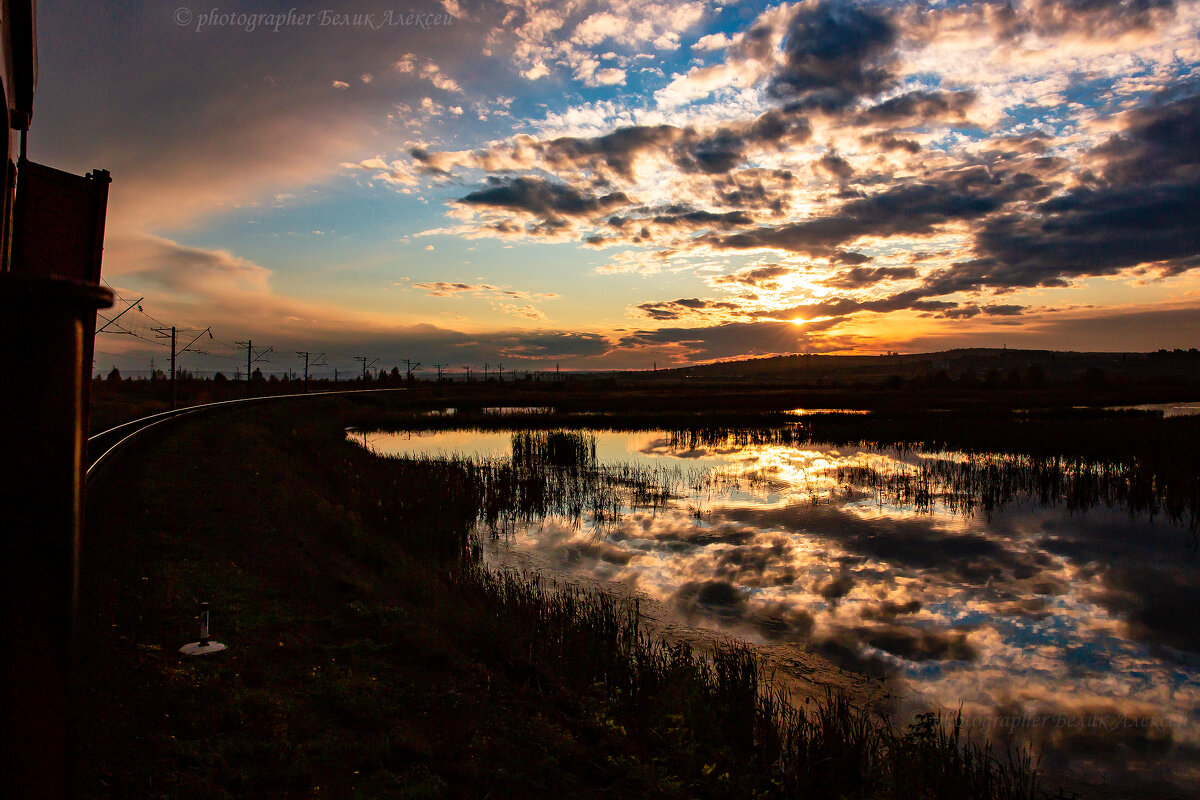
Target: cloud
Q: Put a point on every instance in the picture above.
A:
(674, 309)
(1158, 144)
(905, 209)
(889, 141)
(725, 147)
(681, 216)
(919, 107)
(1085, 232)
(835, 53)
(262, 119)
(433, 73)
(1098, 18)
(616, 151)
(862, 277)
(501, 298)
(542, 198)
(765, 278)
(734, 339)
(449, 289)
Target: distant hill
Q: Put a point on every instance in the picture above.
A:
(970, 363)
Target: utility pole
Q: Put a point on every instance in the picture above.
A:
(317, 362)
(252, 357)
(467, 367)
(409, 366)
(501, 368)
(162, 334)
(438, 367)
(365, 365)
(485, 369)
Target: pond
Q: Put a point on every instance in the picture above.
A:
(1054, 601)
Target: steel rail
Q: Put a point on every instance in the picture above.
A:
(131, 430)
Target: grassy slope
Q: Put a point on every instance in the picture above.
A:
(348, 669)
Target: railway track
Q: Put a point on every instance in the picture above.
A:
(102, 446)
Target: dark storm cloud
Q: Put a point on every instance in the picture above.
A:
(1143, 211)
(833, 54)
(1085, 232)
(735, 339)
(685, 306)
(760, 189)
(779, 127)
(693, 218)
(549, 344)
(1094, 19)
(919, 107)
(889, 141)
(966, 312)
(862, 277)
(911, 300)
(907, 209)
(617, 150)
(1099, 17)
(456, 347)
(724, 148)
(765, 278)
(541, 197)
(711, 152)
(720, 152)
(1008, 310)
(1158, 145)
(836, 166)
(1009, 146)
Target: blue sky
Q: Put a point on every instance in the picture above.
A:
(606, 185)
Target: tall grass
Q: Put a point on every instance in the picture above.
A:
(989, 482)
(712, 715)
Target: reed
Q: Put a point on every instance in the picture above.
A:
(715, 721)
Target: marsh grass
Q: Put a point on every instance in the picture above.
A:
(987, 483)
(713, 720)
(715, 715)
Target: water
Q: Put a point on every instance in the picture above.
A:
(1168, 409)
(1045, 600)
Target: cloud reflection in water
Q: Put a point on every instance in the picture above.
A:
(1069, 628)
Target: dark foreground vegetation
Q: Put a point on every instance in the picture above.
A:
(372, 656)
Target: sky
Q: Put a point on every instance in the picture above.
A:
(617, 185)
